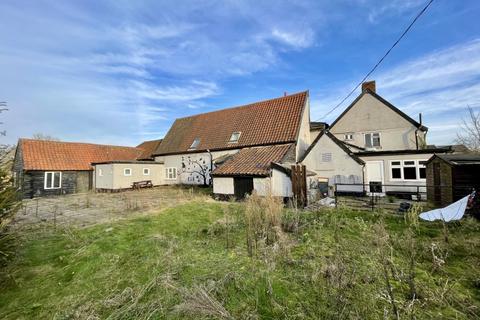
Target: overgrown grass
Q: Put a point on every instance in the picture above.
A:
(192, 261)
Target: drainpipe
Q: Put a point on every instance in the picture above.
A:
(416, 130)
(211, 166)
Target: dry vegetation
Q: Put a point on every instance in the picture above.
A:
(251, 260)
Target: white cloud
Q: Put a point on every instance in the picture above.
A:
(301, 39)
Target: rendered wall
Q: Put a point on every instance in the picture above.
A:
(371, 115)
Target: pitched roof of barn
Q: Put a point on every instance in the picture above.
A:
(148, 148)
(63, 156)
(254, 161)
(273, 121)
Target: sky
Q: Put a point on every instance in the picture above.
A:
(120, 72)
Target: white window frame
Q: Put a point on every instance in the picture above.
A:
(348, 136)
(148, 171)
(171, 170)
(235, 133)
(397, 166)
(419, 165)
(371, 139)
(125, 173)
(402, 165)
(52, 187)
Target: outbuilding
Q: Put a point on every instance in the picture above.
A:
(120, 175)
(451, 177)
(256, 168)
(44, 168)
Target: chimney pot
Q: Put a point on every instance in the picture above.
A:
(370, 85)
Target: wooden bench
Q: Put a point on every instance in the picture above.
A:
(142, 184)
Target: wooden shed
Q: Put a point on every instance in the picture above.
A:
(450, 177)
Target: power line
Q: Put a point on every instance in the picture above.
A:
(383, 58)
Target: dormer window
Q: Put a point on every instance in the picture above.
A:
(195, 144)
(235, 136)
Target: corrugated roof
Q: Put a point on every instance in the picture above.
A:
(148, 148)
(255, 161)
(272, 121)
(62, 156)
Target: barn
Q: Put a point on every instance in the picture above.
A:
(451, 177)
(43, 168)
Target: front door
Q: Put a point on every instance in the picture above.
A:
(375, 179)
(242, 186)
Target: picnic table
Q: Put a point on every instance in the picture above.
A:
(142, 184)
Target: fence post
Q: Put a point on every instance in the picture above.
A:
(373, 201)
(418, 193)
(36, 208)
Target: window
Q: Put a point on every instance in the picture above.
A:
(127, 172)
(146, 171)
(348, 136)
(396, 167)
(170, 173)
(100, 172)
(53, 180)
(372, 140)
(407, 170)
(422, 170)
(195, 144)
(235, 136)
(326, 157)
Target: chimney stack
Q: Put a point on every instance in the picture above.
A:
(285, 93)
(370, 85)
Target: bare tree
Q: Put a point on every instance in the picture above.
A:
(42, 136)
(470, 133)
(197, 169)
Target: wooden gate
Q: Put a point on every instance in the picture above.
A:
(299, 184)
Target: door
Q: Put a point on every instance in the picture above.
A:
(375, 178)
(242, 186)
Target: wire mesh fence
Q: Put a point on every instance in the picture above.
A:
(91, 208)
(397, 198)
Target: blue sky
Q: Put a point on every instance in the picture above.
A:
(120, 72)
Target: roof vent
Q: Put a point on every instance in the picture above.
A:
(369, 85)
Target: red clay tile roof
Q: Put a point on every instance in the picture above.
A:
(148, 148)
(255, 161)
(62, 156)
(272, 121)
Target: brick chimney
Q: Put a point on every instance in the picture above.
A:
(370, 85)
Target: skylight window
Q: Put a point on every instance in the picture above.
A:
(235, 136)
(195, 144)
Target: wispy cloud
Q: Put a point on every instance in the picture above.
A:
(441, 85)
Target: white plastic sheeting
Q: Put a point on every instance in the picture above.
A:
(455, 211)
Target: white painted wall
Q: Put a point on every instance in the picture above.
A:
(105, 181)
(223, 185)
(371, 115)
(261, 186)
(183, 174)
(304, 141)
(113, 175)
(281, 184)
(341, 163)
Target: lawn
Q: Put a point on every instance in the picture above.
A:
(191, 261)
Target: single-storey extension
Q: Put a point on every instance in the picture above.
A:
(119, 175)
